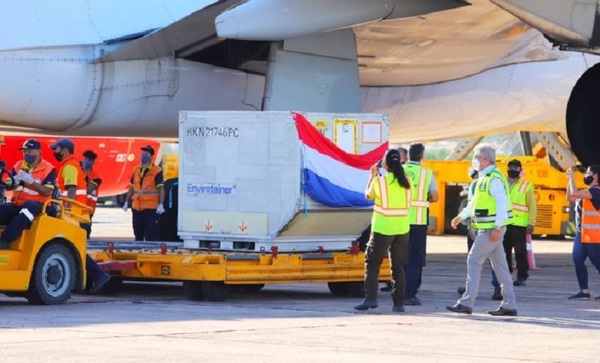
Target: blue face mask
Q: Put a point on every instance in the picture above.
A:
(87, 165)
(29, 159)
(146, 159)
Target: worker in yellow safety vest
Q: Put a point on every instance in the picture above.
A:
(424, 191)
(389, 229)
(491, 212)
(524, 209)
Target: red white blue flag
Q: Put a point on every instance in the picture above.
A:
(332, 176)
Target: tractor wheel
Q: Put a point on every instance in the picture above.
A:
(53, 276)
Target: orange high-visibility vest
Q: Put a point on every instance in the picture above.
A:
(81, 192)
(590, 222)
(23, 193)
(145, 191)
(92, 198)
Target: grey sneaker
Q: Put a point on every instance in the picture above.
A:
(366, 304)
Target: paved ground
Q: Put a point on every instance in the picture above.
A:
(304, 323)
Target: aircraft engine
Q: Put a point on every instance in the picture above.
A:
(583, 117)
(283, 19)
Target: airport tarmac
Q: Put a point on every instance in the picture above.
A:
(305, 323)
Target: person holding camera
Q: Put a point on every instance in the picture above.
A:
(389, 230)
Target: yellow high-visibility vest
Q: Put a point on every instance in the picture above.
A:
(391, 209)
(485, 205)
(518, 198)
(420, 179)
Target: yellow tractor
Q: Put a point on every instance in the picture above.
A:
(47, 262)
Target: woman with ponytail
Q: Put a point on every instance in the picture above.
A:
(389, 229)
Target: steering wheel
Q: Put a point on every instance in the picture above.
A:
(3, 182)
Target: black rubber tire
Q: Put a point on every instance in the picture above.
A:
(53, 277)
(356, 288)
(252, 288)
(215, 290)
(193, 290)
(338, 288)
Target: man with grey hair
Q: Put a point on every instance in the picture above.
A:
(491, 213)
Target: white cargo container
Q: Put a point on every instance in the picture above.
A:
(254, 180)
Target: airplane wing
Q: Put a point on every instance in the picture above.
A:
(428, 42)
(186, 36)
(415, 61)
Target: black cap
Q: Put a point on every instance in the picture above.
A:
(64, 143)
(515, 162)
(31, 144)
(149, 149)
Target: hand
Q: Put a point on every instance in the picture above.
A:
(374, 170)
(529, 229)
(16, 178)
(495, 234)
(25, 177)
(160, 209)
(125, 206)
(455, 222)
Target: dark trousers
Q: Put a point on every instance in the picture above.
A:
(378, 247)
(417, 258)
(515, 237)
(145, 225)
(18, 218)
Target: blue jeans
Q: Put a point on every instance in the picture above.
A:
(581, 251)
(417, 258)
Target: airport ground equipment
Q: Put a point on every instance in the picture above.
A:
(212, 274)
(554, 210)
(246, 213)
(47, 262)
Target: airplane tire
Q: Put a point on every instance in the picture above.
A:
(53, 276)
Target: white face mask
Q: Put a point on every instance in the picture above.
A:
(475, 164)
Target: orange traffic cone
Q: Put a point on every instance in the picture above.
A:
(530, 256)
